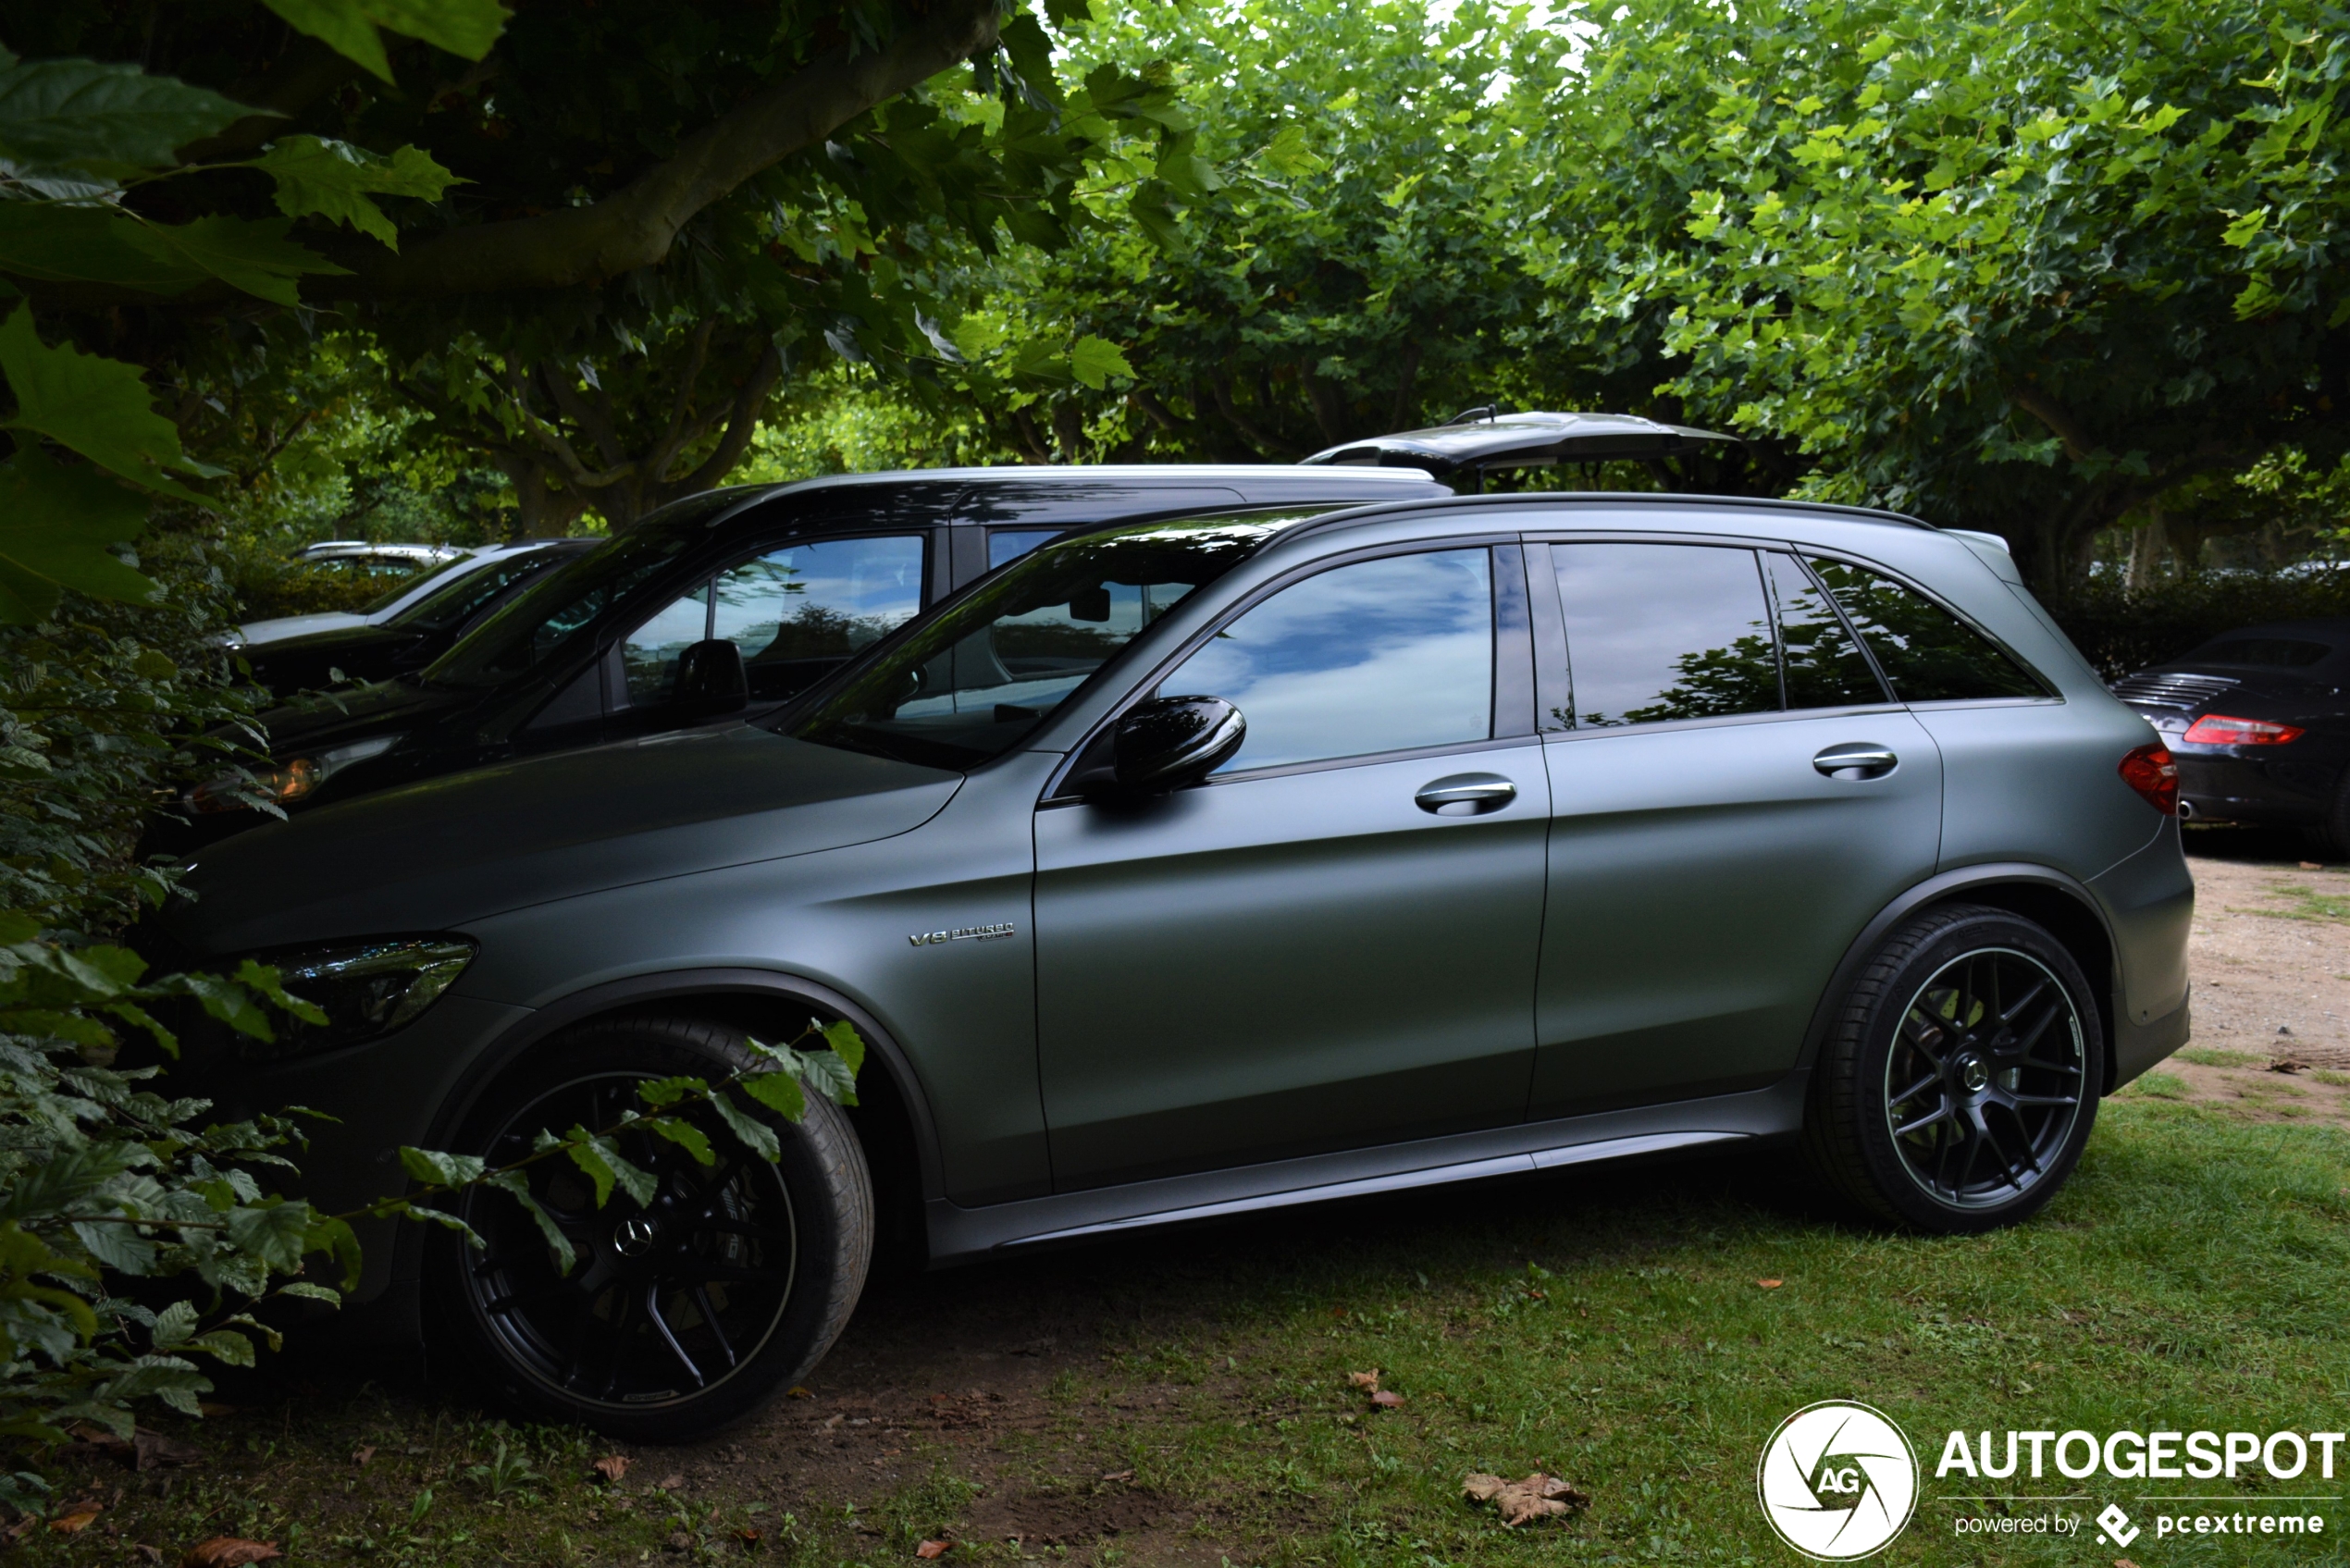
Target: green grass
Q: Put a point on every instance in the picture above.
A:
(2327, 1075)
(2308, 904)
(1606, 1326)
(2212, 1056)
(2159, 1085)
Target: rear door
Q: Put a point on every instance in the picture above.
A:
(1734, 795)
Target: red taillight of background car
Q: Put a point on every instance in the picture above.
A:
(2217, 729)
(2151, 770)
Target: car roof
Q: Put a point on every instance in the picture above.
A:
(1484, 437)
(1615, 501)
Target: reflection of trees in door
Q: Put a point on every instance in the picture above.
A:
(1715, 681)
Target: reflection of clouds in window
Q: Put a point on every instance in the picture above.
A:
(1659, 632)
(1379, 656)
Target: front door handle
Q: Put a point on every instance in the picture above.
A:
(1857, 760)
(1466, 795)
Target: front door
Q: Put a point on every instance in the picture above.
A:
(1734, 797)
(1316, 949)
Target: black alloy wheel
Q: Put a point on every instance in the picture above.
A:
(1984, 1081)
(681, 1312)
(1960, 1082)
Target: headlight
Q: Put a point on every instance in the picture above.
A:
(368, 989)
(283, 783)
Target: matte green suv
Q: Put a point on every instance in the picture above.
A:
(1195, 866)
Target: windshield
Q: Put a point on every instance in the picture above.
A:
(407, 586)
(539, 624)
(970, 683)
(458, 600)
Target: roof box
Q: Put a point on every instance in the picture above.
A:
(1483, 439)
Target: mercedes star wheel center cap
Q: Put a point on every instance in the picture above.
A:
(1973, 1073)
(633, 1236)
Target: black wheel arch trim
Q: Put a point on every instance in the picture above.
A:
(1940, 888)
(682, 985)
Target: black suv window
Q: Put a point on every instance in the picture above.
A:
(1665, 631)
(1824, 668)
(1926, 652)
(1380, 655)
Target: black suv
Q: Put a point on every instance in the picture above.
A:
(730, 601)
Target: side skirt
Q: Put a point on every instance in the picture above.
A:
(964, 1235)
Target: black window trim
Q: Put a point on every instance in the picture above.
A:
(1057, 794)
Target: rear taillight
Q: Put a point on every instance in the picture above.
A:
(2217, 729)
(2151, 770)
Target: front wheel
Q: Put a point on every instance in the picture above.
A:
(1959, 1083)
(682, 1312)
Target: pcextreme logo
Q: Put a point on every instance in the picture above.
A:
(1837, 1480)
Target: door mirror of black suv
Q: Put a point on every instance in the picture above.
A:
(1169, 743)
(710, 679)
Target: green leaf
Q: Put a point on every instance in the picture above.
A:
(264, 978)
(309, 1292)
(603, 1162)
(1289, 154)
(59, 1183)
(174, 1324)
(339, 1243)
(224, 1345)
(754, 1134)
(684, 1134)
(435, 1169)
(55, 244)
(249, 254)
(779, 1092)
(511, 1182)
(334, 180)
(275, 1233)
(98, 407)
(55, 526)
(840, 1034)
(2242, 231)
(462, 27)
(1094, 360)
(83, 114)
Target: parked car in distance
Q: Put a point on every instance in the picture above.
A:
(2260, 726)
(416, 579)
(422, 623)
(377, 560)
(1190, 867)
(783, 581)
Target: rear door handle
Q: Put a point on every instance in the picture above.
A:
(1857, 760)
(1466, 795)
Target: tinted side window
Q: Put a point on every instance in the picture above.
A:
(648, 657)
(1011, 544)
(1825, 667)
(1924, 651)
(1657, 632)
(1376, 656)
(797, 612)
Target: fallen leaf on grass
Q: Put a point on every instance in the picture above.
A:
(229, 1552)
(2311, 866)
(671, 1483)
(2123, 1563)
(832, 1423)
(1537, 1497)
(934, 1549)
(1119, 1475)
(363, 1454)
(1769, 1284)
(147, 1553)
(79, 1520)
(796, 1393)
(612, 1468)
(1386, 1399)
(1364, 1379)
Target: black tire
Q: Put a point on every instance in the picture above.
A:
(683, 1314)
(1960, 1082)
(2330, 840)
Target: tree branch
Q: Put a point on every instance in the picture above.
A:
(742, 423)
(1222, 390)
(2078, 444)
(636, 225)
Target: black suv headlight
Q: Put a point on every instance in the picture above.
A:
(367, 989)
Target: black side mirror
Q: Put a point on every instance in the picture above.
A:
(1169, 743)
(711, 678)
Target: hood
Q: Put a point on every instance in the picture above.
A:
(435, 855)
(254, 633)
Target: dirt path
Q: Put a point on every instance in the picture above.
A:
(2271, 958)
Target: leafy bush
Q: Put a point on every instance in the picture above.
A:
(2120, 630)
(266, 585)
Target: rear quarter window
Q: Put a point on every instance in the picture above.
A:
(1929, 654)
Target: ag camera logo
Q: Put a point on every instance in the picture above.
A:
(1837, 1480)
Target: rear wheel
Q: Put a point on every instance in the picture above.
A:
(682, 1313)
(1959, 1083)
(2331, 839)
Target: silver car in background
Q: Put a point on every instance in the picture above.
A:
(1201, 866)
